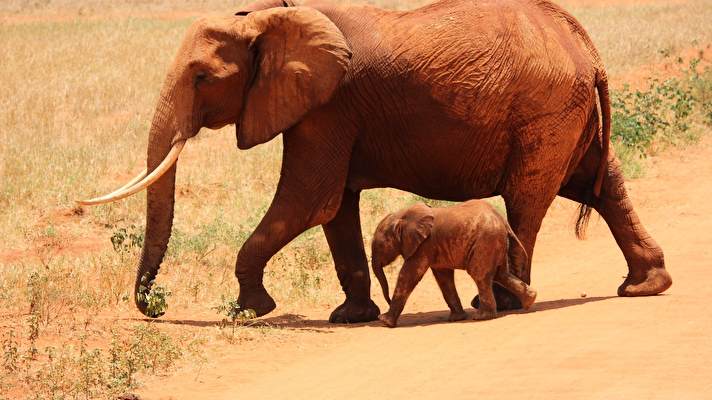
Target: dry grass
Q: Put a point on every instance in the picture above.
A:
(629, 36)
(79, 83)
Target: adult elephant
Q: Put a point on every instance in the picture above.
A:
(454, 101)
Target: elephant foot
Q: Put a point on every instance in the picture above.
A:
(655, 281)
(481, 315)
(457, 316)
(388, 320)
(529, 299)
(353, 311)
(258, 300)
(505, 300)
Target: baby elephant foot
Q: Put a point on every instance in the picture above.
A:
(481, 315)
(529, 299)
(388, 320)
(457, 316)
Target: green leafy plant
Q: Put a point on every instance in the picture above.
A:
(84, 373)
(90, 371)
(233, 314)
(156, 299)
(35, 284)
(662, 114)
(232, 311)
(10, 352)
(127, 239)
(700, 82)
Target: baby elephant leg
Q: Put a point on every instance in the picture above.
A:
(488, 305)
(408, 277)
(446, 280)
(524, 293)
(482, 269)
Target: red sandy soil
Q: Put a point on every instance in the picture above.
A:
(567, 347)
(672, 66)
(62, 243)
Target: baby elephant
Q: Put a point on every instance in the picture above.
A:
(472, 236)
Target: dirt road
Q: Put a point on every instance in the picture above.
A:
(568, 347)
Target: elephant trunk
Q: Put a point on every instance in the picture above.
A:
(160, 200)
(381, 276)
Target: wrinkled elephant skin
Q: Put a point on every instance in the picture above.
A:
(455, 101)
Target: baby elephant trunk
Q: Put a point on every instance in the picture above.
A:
(381, 276)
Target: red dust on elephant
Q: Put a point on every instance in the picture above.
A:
(455, 101)
(470, 236)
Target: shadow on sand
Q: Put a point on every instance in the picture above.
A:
(298, 322)
(295, 322)
(438, 317)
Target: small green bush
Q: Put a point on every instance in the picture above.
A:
(83, 373)
(126, 240)
(156, 299)
(232, 310)
(662, 114)
(10, 353)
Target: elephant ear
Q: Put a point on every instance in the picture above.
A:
(301, 57)
(415, 226)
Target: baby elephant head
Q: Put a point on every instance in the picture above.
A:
(399, 233)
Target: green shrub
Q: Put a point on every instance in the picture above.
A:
(10, 353)
(660, 115)
(83, 373)
(232, 310)
(127, 239)
(156, 299)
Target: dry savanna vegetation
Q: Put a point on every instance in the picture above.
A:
(78, 84)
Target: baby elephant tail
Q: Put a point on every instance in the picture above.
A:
(381, 276)
(517, 261)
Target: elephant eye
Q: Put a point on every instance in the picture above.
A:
(201, 77)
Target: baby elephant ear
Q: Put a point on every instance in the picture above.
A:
(416, 225)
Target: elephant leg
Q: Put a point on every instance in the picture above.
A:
(538, 168)
(488, 303)
(343, 233)
(308, 194)
(446, 281)
(646, 263)
(278, 227)
(524, 293)
(408, 277)
(525, 217)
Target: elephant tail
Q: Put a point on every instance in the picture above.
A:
(605, 102)
(517, 261)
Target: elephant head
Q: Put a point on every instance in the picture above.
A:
(263, 72)
(399, 233)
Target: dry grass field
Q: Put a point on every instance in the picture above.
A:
(78, 85)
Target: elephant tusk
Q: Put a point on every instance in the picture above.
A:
(145, 181)
(132, 182)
